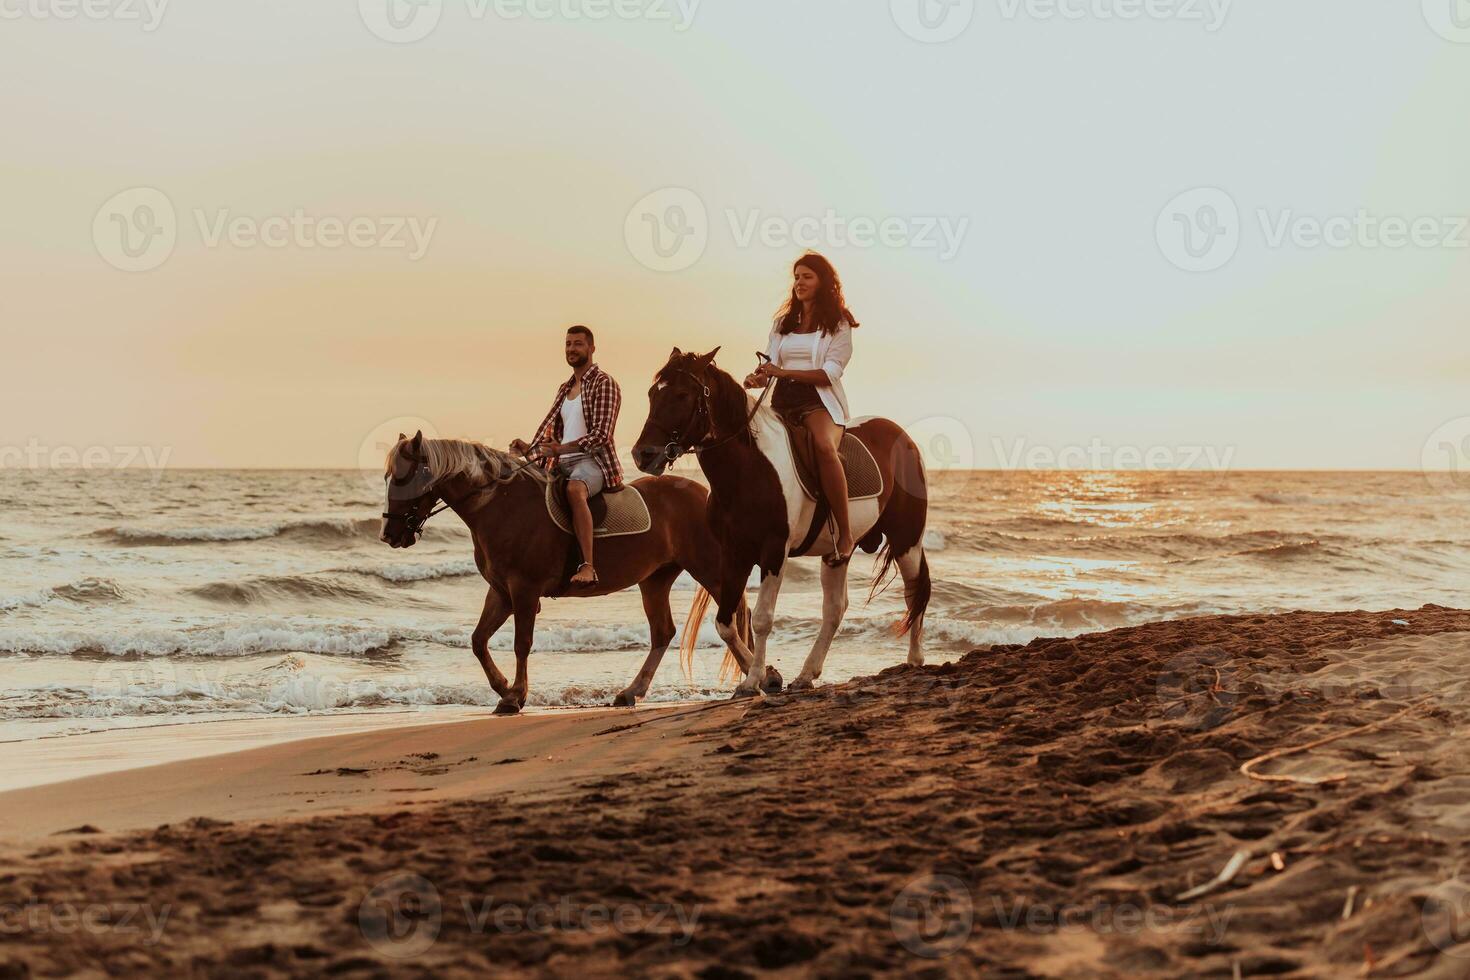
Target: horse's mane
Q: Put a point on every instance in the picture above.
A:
(447, 458)
(728, 401)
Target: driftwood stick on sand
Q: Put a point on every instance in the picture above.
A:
(1246, 768)
(1226, 876)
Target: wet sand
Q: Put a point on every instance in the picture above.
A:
(1068, 808)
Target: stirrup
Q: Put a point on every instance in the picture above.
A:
(596, 579)
(832, 561)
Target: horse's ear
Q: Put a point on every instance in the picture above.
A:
(677, 353)
(708, 359)
(402, 437)
(418, 441)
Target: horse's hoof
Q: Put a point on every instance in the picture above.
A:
(508, 706)
(625, 700)
(741, 694)
(773, 682)
(801, 684)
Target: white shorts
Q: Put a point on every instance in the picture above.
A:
(582, 468)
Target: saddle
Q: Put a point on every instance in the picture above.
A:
(864, 479)
(615, 513)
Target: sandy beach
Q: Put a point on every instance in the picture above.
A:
(1072, 807)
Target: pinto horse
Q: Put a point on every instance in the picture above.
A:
(761, 516)
(522, 553)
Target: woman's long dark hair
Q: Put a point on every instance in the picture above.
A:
(830, 307)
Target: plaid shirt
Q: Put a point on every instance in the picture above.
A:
(601, 401)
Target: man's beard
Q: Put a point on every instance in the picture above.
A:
(576, 360)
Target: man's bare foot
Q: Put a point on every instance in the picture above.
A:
(586, 575)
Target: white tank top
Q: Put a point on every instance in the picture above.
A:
(799, 351)
(573, 422)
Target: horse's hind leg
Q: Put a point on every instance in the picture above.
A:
(914, 568)
(834, 607)
(661, 631)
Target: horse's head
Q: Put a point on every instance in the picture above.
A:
(410, 492)
(680, 411)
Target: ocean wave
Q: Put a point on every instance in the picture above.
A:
(402, 573)
(294, 694)
(270, 588)
(325, 530)
(316, 637)
(87, 591)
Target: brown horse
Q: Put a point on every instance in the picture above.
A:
(761, 516)
(522, 553)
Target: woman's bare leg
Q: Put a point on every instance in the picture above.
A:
(827, 439)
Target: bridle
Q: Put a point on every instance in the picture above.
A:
(413, 522)
(675, 449)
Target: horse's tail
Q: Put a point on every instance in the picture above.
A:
(904, 521)
(690, 639)
(697, 611)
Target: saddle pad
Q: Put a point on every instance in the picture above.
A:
(627, 513)
(864, 479)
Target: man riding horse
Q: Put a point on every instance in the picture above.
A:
(576, 437)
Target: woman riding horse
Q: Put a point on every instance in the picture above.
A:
(806, 355)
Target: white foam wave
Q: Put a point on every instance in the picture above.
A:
(313, 636)
(402, 573)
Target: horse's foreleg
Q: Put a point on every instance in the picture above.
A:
(761, 621)
(526, 606)
(834, 607)
(494, 615)
(661, 631)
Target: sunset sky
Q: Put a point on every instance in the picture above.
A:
(531, 152)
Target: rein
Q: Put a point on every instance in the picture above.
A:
(412, 522)
(676, 449)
